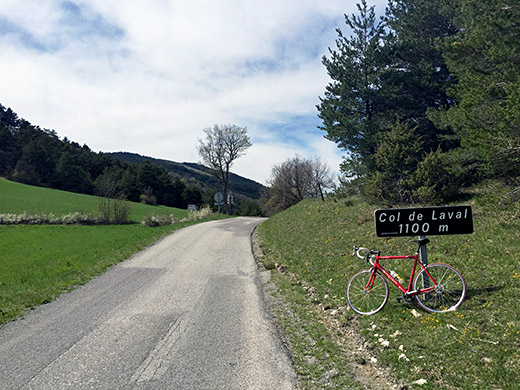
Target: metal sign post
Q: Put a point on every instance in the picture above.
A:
(230, 201)
(423, 255)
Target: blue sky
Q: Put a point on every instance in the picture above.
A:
(148, 76)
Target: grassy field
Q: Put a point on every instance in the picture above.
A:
(308, 248)
(37, 263)
(16, 198)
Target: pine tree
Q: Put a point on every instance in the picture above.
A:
(418, 77)
(352, 107)
(485, 58)
(396, 159)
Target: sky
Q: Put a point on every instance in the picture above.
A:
(148, 76)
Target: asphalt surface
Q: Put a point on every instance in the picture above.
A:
(187, 313)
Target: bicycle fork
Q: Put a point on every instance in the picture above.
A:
(371, 280)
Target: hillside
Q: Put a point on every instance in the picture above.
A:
(308, 248)
(18, 198)
(197, 172)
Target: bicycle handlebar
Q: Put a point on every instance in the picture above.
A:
(358, 249)
(367, 256)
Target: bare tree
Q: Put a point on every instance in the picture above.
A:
(296, 179)
(322, 177)
(223, 145)
(106, 190)
(112, 204)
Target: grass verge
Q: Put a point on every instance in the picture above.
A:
(474, 348)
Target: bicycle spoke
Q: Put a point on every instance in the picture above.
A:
(442, 279)
(364, 301)
(449, 292)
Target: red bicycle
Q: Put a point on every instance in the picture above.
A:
(436, 287)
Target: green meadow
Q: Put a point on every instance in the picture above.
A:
(308, 249)
(39, 262)
(16, 198)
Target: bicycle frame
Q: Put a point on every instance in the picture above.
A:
(376, 267)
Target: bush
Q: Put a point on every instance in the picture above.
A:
(198, 215)
(104, 205)
(76, 218)
(432, 182)
(396, 159)
(162, 220)
(114, 211)
(147, 197)
(250, 207)
(158, 220)
(121, 211)
(27, 219)
(405, 176)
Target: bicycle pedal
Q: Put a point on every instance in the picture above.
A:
(404, 301)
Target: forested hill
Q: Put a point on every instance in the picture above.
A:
(196, 172)
(36, 156)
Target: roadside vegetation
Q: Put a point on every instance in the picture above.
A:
(308, 249)
(39, 262)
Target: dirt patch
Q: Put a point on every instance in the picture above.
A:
(364, 368)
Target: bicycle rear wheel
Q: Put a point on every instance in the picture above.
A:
(449, 292)
(367, 301)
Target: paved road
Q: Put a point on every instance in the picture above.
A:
(187, 313)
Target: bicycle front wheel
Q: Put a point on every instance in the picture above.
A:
(449, 293)
(364, 299)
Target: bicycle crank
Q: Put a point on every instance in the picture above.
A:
(405, 299)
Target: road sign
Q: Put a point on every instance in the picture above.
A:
(219, 201)
(219, 198)
(424, 221)
(230, 199)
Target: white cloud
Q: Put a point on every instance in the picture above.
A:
(37, 17)
(148, 76)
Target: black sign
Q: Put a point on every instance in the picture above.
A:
(424, 221)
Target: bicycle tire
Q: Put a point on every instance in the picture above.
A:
(449, 293)
(367, 302)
